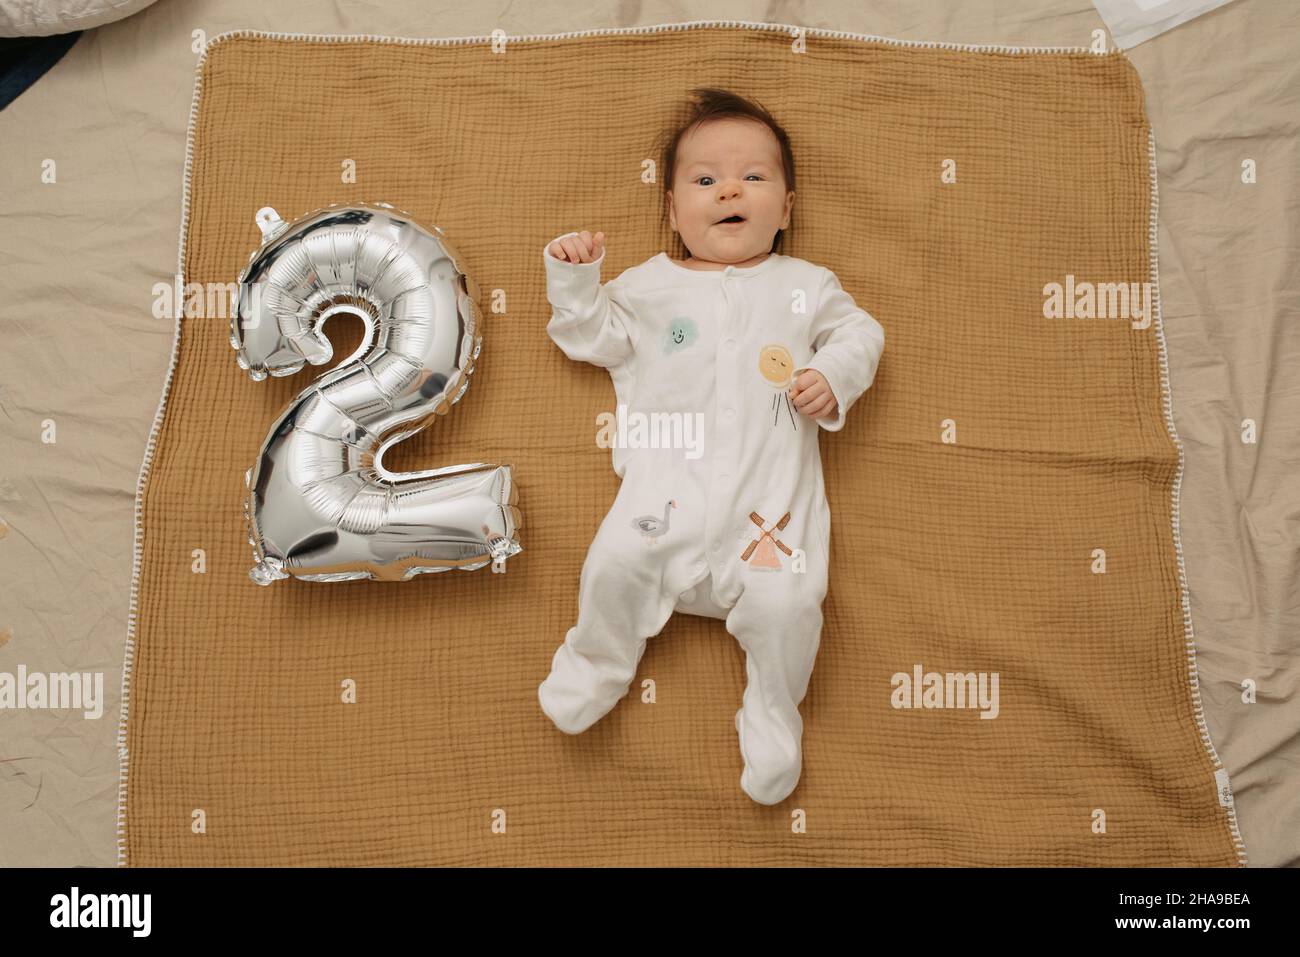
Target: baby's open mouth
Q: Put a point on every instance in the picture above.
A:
(730, 219)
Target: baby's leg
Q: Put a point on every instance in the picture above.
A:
(622, 602)
(778, 623)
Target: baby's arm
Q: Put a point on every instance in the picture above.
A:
(847, 343)
(589, 322)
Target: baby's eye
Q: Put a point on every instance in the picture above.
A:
(701, 179)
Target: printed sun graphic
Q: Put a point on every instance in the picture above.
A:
(776, 366)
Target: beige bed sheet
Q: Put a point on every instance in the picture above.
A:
(81, 347)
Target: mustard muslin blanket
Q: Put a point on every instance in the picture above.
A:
(1003, 498)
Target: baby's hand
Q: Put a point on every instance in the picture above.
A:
(581, 248)
(812, 395)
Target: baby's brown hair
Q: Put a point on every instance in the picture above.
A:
(709, 103)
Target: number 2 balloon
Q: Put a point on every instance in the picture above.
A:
(319, 504)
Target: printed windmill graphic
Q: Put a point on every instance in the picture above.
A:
(763, 549)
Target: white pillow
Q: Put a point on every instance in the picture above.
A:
(41, 18)
(1131, 22)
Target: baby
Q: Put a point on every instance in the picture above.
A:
(754, 347)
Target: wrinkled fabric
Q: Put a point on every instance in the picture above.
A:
(85, 347)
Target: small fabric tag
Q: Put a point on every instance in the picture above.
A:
(1225, 789)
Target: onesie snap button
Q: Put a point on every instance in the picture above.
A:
(729, 343)
(729, 414)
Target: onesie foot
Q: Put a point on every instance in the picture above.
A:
(569, 716)
(580, 691)
(571, 707)
(772, 776)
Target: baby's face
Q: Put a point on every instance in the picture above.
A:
(729, 167)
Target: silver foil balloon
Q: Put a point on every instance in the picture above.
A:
(319, 504)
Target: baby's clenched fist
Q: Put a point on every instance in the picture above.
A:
(812, 395)
(579, 248)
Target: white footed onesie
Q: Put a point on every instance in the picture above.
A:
(722, 511)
